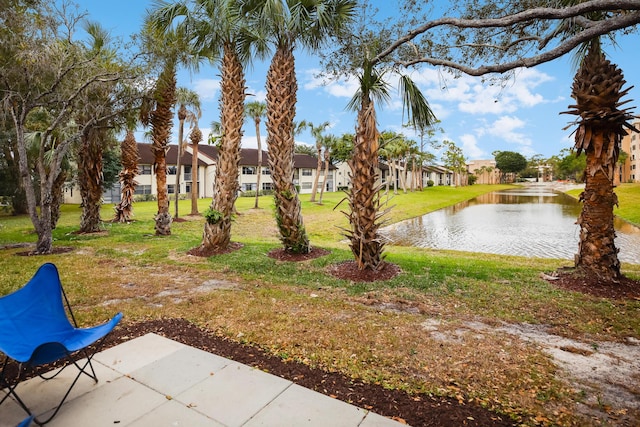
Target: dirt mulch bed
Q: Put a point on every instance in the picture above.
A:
(349, 271)
(206, 253)
(415, 410)
(282, 255)
(572, 280)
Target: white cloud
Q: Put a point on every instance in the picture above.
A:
(341, 88)
(207, 88)
(508, 128)
(475, 97)
(256, 95)
(252, 142)
(470, 147)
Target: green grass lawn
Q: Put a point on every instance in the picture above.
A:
(367, 330)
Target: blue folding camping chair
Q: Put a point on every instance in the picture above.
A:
(35, 330)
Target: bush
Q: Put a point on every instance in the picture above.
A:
(471, 179)
(430, 183)
(213, 216)
(144, 198)
(253, 193)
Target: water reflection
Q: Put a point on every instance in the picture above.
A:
(532, 222)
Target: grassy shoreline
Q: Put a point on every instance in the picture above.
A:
(375, 331)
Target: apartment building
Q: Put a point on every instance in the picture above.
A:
(305, 168)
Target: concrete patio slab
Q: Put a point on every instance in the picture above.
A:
(319, 411)
(152, 381)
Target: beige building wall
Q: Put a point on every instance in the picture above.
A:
(485, 170)
(629, 171)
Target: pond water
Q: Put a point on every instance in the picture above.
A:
(530, 221)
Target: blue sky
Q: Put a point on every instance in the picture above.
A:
(522, 116)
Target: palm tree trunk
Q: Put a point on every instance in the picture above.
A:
(326, 174)
(196, 137)
(314, 189)
(181, 119)
(281, 110)
(217, 235)
(597, 251)
(129, 159)
(57, 194)
(258, 178)
(90, 179)
(364, 196)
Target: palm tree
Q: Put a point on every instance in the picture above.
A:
(364, 197)
(129, 159)
(157, 110)
(256, 110)
(316, 132)
(185, 98)
(597, 90)
(216, 30)
(285, 24)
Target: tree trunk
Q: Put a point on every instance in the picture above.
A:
(90, 179)
(326, 174)
(217, 235)
(597, 251)
(182, 115)
(364, 196)
(196, 137)
(258, 178)
(129, 159)
(281, 110)
(314, 189)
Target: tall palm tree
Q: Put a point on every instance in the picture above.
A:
(168, 46)
(97, 135)
(184, 98)
(285, 24)
(256, 110)
(316, 132)
(216, 30)
(597, 90)
(364, 197)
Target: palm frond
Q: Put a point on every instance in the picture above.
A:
(419, 113)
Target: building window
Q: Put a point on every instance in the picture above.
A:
(144, 170)
(306, 186)
(267, 186)
(249, 186)
(143, 189)
(266, 171)
(171, 189)
(187, 187)
(187, 173)
(307, 172)
(248, 170)
(171, 170)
